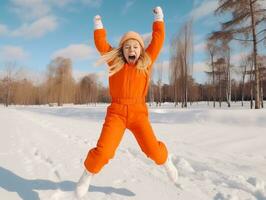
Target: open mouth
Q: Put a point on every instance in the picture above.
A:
(132, 58)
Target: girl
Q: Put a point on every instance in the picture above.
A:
(129, 69)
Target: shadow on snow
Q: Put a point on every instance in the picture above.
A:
(25, 187)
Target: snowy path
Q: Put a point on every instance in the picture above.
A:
(220, 154)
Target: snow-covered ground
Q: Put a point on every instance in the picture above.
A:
(220, 154)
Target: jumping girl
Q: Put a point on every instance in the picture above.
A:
(129, 67)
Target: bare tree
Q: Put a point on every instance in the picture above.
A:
(181, 64)
(60, 82)
(24, 92)
(220, 66)
(89, 89)
(173, 68)
(223, 50)
(245, 61)
(7, 82)
(159, 68)
(251, 82)
(262, 70)
(226, 53)
(247, 15)
(151, 88)
(212, 48)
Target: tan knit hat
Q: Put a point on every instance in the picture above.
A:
(131, 35)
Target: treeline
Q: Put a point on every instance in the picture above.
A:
(206, 92)
(59, 87)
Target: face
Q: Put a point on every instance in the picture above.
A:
(131, 51)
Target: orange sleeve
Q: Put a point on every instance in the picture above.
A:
(100, 41)
(156, 44)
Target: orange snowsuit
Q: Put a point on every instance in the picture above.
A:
(128, 89)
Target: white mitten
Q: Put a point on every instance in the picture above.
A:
(97, 22)
(158, 14)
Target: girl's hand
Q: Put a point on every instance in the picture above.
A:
(158, 13)
(97, 22)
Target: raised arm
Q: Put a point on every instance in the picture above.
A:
(100, 39)
(158, 34)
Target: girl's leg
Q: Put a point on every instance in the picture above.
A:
(147, 141)
(112, 132)
(153, 148)
(111, 135)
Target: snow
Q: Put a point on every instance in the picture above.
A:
(220, 154)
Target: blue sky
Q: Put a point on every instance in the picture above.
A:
(32, 32)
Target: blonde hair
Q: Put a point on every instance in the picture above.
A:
(116, 60)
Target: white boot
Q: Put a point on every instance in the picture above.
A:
(83, 184)
(171, 169)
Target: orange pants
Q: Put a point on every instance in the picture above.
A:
(122, 114)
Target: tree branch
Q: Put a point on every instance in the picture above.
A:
(225, 6)
(264, 38)
(261, 31)
(261, 20)
(242, 40)
(236, 20)
(259, 11)
(241, 30)
(254, 1)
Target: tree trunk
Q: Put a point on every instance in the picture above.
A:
(213, 82)
(251, 89)
(220, 91)
(261, 94)
(229, 92)
(257, 82)
(243, 85)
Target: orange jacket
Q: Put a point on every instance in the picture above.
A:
(129, 83)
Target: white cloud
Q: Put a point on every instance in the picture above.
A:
(196, 2)
(78, 75)
(128, 4)
(38, 16)
(64, 3)
(236, 58)
(92, 3)
(60, 3)
(198, 37)
(3, 29)
(200, 67)
(200, 47)
(76, 52)
(101, 75)
(13, 53)
(36, 29)
(30, 9)
(207, 7)
(34, 9)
